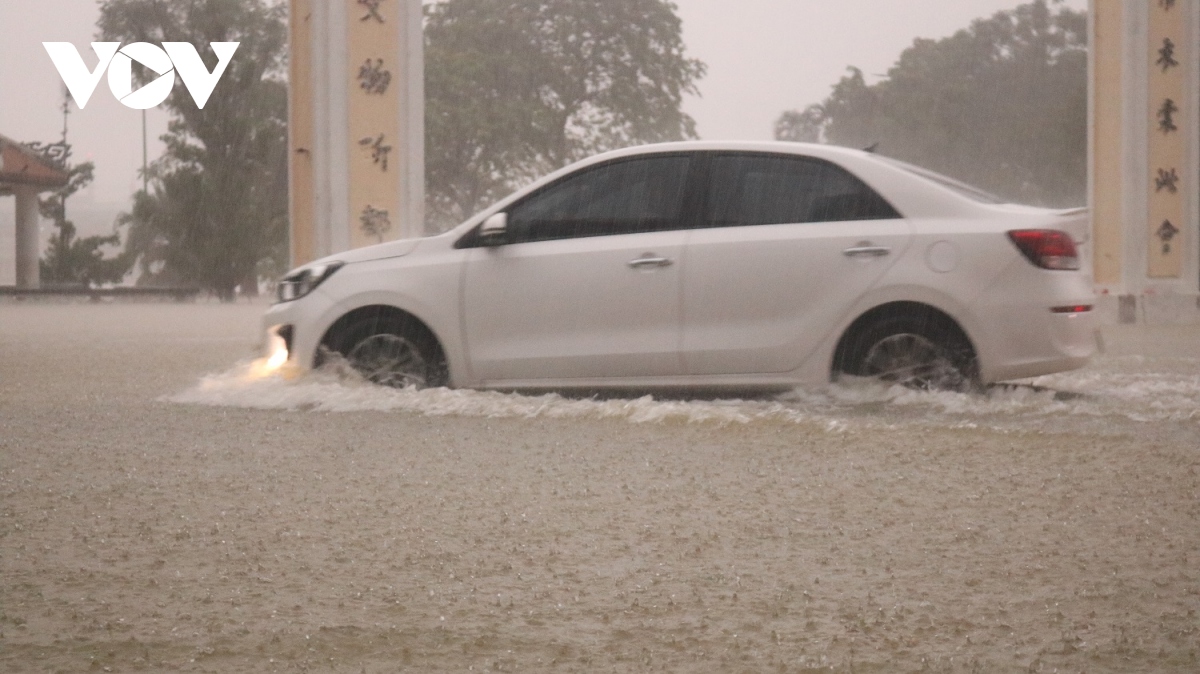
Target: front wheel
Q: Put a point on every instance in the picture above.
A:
(918, 354)
(390, 351)
(390, 360)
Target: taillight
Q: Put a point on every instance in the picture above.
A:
(1047, 248)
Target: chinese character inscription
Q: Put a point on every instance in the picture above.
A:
(372, 7)
(1166, 116)
(1166, 55)
(373, 78)
(1167, 180)
(1165, 233)
(379, 151)
(375, 222)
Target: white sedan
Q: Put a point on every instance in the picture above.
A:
(708, 265)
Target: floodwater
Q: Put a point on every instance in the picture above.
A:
(165, 508)
(1122, 392)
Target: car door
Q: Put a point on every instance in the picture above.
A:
(589, 285)
(786, 246)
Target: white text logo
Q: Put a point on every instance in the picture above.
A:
(172, 57)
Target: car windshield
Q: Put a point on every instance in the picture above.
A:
(968, 191)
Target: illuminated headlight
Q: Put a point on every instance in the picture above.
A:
(275, 357)
(303, 281)
(278, 346)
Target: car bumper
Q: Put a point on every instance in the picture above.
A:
(1045, 343)
(300, 318)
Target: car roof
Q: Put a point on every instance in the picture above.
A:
(911, 194)
(774, 146)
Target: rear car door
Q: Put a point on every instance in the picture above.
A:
(786, 245)
(589, 285)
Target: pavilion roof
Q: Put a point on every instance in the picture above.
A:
(21, 165)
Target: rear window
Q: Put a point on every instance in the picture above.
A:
(963, 189)
(761, 189)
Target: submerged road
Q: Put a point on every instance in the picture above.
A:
(151, 522)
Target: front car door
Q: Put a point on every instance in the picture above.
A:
(786, 246)
(589, 286)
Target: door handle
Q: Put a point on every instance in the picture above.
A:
(865, 249)
(650, 260)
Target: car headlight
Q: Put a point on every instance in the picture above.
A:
(303, 281)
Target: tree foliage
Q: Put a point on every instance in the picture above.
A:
(801, 126)
(1002, 104)
(516, 88)
(70, 260)
(218, 207)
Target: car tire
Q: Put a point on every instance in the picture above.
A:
(915, 351)
(391, 350)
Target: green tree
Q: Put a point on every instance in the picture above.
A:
(1002, 104)
(70, 260)
(801, 126)
(218, 207)
(515, 88)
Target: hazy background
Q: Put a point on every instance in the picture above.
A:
(763, 57)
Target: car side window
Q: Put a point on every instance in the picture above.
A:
(748, 190)
(622, 197)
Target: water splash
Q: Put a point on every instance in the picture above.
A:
(338, 389)
(1111, 395)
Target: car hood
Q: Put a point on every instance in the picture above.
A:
(380, 251)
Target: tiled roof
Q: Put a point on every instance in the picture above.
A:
(20, 165)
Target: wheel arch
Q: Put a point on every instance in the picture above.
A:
(379, 312)
(942, 321)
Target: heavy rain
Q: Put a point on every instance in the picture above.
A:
(160, 520)
(178, 493)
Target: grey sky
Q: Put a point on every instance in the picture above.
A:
(764, 57)
(767, 56)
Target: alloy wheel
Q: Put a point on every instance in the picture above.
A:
(912, 360)
(390, 360)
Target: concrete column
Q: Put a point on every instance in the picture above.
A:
(356, 124)
(1145, 158)
(29, 246)
(1106, 146)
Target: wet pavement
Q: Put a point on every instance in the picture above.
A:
(164, 509)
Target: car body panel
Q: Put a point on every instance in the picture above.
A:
(759, 299)
(571, 314)
(573, 308)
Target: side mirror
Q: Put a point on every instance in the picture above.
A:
(494, 231)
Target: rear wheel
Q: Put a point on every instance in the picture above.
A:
(390, 349)
(921, 352)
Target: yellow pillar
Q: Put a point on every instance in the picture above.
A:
(300, 135)
(1145, 156)
(1107, 123)
(1168, 50)
(356, 124)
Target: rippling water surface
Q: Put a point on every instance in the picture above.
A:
(1046, 525)
(1115, 394)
